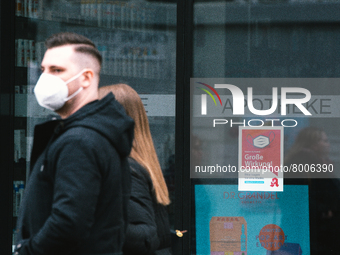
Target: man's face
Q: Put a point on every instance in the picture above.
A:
(61, 61)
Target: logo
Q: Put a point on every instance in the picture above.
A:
(275, 182)
(261, 141)
(204, 97)
(238, 99)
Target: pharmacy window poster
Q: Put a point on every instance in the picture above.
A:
(233, 222)
(260, 158)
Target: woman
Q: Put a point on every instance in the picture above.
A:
(148, 230)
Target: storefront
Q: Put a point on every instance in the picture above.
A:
(225, 84)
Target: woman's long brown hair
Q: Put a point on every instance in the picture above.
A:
(143, 150)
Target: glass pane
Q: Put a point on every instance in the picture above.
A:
(287, 45)
(137, 40)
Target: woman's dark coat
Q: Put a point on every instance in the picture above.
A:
(148, 231)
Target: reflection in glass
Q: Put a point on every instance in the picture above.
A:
(274, 39)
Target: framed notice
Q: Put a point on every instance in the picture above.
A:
(229, 221)
(260, 159)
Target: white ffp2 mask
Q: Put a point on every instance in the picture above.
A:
(51, 91)
(261, 141)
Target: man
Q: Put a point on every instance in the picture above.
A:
(75, 199)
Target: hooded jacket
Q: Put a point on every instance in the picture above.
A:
(76, 198)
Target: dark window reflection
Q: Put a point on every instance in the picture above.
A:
(277, 39)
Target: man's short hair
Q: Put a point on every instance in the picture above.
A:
(85, 45)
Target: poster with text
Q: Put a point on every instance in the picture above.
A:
(260, 158)
(232, 222)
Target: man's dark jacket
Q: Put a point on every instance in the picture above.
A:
(76, 198)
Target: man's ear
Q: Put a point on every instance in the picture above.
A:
(88, 76)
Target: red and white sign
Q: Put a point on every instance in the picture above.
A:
(261, 158)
